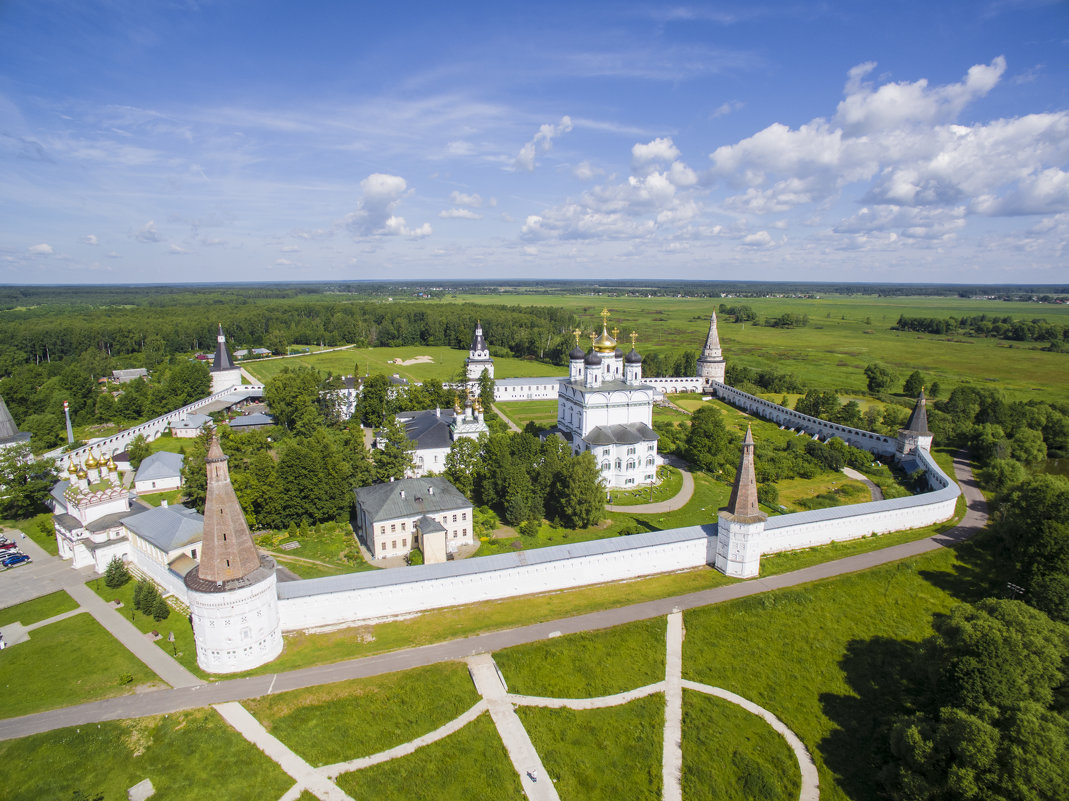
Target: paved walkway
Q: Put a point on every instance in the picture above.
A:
(508, 420)
(681, 499)
(672, 754)
(874, 491)
(307, 777)
(14, 633)
(536, 783)
(166, 701)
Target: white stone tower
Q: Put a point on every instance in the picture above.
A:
(233, 602)
(741, 524)
(711, 364)
(225, 374)
(915, 435)
(478, 357)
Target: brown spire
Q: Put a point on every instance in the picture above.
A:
(743, 501)
(228, 551)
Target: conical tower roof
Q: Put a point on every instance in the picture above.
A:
(711, 351)
(743, 501)
(478, 343)
(223, 360)
(9, 432)
(228, 551)
(918, 420)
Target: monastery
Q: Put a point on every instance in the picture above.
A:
(239, 608)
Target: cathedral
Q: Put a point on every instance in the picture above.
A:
(605, 408)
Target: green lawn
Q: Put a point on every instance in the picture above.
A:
(338, 722)
(156, 498)
(730, 754)
(470, 764)
(187, 755)
(66, 663)
(444, 366)
(183, 648)
(326, 549)
(794, 651)
(38, 528)
(671, 482)
(589, 664)
(38, 609)
(541, 412)
(601, 754)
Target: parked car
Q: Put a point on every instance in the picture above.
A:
(8, 546)
(17, 559)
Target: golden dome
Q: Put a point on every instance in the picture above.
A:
(82, 474)
(605, 343)
(72, 468)
(91, 463)
(112, 467)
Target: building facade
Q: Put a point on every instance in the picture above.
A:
(391, 517)
(225, 374)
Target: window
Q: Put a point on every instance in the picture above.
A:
(630, 451)
(194, 554)
(464, 532)
(393, 527)
(404, 543)
(454, 518)
(403, 526)
(394, 544)
(605, 466)
(382, 530)
(463, 515)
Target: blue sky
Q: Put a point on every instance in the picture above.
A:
(244, 141)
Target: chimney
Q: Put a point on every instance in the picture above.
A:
(163, 504)
(438, 412)
(430, 490)
(402, 494)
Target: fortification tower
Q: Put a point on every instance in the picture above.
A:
(9, 432)
(225, 374)
(915, 435)
(478, 357)
(741, 524)
(232, 597)
(711, 364)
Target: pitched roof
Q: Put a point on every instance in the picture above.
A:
(918, 420)
(191, 420)
(477, 342)
(428, 428)
(620, 434)
(410, 497)
(167, 527)
(222, 355)
(743, 501)
(9, 432)
(228, 553)
(252, 421)
(160, 466)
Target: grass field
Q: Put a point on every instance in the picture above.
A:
(732, 755)
(38, 609)
(186, 755)
(542, 412)
(445, 364)
(38, 528)
(66, 663)
(587, 665)
(601, 754)
(471, 764)
(326, 549)
(844, 334)
(671, 482)
(338, 722)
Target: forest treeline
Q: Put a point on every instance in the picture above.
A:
(994, 326)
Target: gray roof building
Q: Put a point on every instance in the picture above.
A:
(190, 421)
(250, 421)
(621, 434)
(428, 428)
(160, 467)
(410, 497)
(167, 527)
(9, 432)
(122, 376)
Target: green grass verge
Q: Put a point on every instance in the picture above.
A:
(351, 719)
(38, 528)
(156, 498)
(470, 764)
(671, 482)
(542, 412)
(601, 754)
(66, 663)
(730, 754)
(326, 549)
(186, 755)
(38, 609)
(589, 664)
(182, 649)
(794, 651)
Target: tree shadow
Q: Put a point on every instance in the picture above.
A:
(886, 677)
(983, 569)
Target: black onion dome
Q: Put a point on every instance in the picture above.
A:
(576, 354)
(633, 357)
(592, 358)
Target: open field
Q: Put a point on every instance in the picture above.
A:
(178, 752)
(38, 609)
(446, 364)
(542, 412)
(844, 334)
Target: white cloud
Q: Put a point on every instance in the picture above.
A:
(178, 250)
(541, 143)
(459, 214)
(865, 110)
(90, 239)
(375, 212)
(473, 201)
(40, 250)
(283, 263)
(584, 171)
(760, 239)
(148, 233)
(726, 108)
(658, 150)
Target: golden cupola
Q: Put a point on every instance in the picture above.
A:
(91, 463)
(605, 343)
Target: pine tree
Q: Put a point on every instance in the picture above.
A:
(116, 573)
(139, 592)
(160, 609)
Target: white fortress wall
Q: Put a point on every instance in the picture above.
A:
(788, 418)
(361, 597)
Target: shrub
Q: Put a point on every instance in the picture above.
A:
(116, 573)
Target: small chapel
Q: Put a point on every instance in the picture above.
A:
(605, 408)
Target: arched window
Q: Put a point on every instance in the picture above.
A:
(630, 464)
(618, 464)
(605, 467)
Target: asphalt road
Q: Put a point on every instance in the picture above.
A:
(166, 701)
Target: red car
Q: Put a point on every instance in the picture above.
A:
(7, 546)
